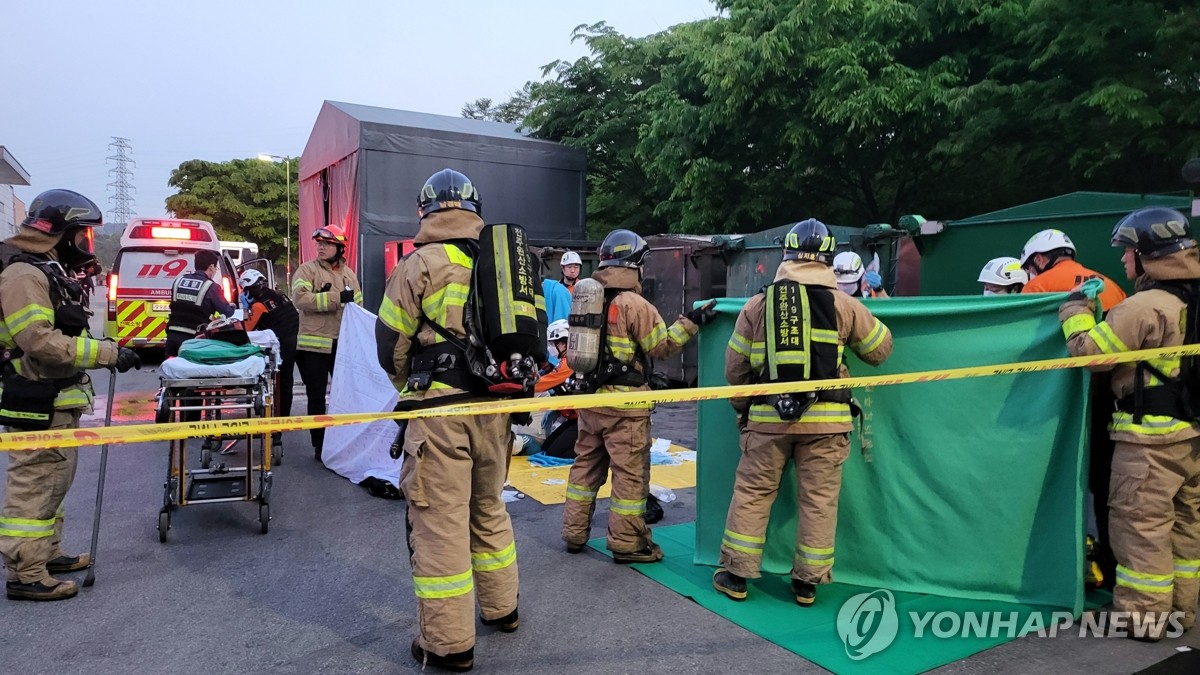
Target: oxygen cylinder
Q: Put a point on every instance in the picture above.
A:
(509, 289)
(586, 319)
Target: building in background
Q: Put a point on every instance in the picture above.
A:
(12, 210)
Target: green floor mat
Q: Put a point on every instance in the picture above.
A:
(812, 632)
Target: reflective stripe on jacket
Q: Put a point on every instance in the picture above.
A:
(745, 354)
(27, 323)
(633, 324)
(321, 311)
(1145, 320)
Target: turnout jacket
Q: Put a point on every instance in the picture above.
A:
(745, 354)
(1147, 319)
(27, 323)
(321, 310)
(430, 284)
(635, 326)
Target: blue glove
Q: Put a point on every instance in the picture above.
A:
(873, 279)
(245, 301)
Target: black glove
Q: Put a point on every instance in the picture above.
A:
(126, 359)
(346, 296)
(703, 314)
(325, 288)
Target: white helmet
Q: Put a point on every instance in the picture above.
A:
(1003, 272)
(570, 258)
(249, 278)
(1044, 242)
(558, 330)
(848, 267)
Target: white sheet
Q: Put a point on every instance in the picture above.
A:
(360, 385)
(266, 338)
(181, 369)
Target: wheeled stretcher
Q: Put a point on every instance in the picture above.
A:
(199, 393)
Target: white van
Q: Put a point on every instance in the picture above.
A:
(240, 251)
(154, 252)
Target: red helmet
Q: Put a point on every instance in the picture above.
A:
(332, 234)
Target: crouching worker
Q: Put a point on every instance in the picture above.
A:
(44, 331)
(794, 331)
(1154, 493)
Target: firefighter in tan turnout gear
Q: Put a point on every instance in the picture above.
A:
(1154, 496)
(321, 289)
(43, 332)
(795, 330)
(460, 537)
(619, 437)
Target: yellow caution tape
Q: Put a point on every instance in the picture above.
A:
(139, 433)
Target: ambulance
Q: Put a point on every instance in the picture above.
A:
(154, 253)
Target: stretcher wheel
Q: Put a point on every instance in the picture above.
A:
(205, 456)
(164, 524)
(264, 517)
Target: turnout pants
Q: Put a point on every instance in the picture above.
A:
(32, 520)
(1154, 522)
(287, 379)
(315, 370)
(623, 445)
(818, 461)
(460, 538)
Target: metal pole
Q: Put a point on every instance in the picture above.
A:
(91, 570)
(288, 168)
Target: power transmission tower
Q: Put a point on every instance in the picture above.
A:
(121, 187)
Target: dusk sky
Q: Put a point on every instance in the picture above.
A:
(220, 80)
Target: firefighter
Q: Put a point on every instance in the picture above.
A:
(1049, 260)
(855, 280)
(1154, 522)
(274, 311)
(1002, 276)
(619, 436)
(795, 330)
(194, 299)
(320, 289)
(44, 329)
(460, 537)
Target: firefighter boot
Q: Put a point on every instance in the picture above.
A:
(806, 593)
(650, 554)
(459, 662)
(69, 563)
(41, 590)
(509, 623)
(730, 584)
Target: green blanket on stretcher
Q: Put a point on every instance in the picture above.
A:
(216, 352)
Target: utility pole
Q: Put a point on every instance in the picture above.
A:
(121, 186)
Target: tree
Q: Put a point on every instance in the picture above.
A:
(858, 111)
(596, 103)
(512, 111)
(244, 199)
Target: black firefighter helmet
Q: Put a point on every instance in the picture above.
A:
(448, 189)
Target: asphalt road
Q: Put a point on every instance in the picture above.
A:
(328, 590)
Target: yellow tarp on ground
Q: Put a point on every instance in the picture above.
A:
(530, 479)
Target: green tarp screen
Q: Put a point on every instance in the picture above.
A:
(970, 488)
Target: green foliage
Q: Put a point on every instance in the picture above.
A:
(244, 199)
(512, 111)
(858, 111)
